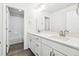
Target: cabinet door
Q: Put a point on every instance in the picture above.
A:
(32, 46)
(56, 53)
(46, 51)
(29, 40)
(0, 49)
(37, 48)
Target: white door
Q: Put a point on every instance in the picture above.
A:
(46, 51)
(1, 50)
(8, 30)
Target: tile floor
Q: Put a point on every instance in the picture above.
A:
(17, 50)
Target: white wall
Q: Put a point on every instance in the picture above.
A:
(19, 6)
(31, 22)
(36, 20)
(16, 25)
(1, 33)
(30, 18)
(58, 19)
(28, 15)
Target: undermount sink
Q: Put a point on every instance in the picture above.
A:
(49, 34)
(61, 38)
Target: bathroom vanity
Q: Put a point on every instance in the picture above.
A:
(56, 44)
(51, 44)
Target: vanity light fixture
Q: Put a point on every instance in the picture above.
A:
(19, 10)
(40, 7)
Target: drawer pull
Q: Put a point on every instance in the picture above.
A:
(37, 38)
(50, 53)
(53, 54)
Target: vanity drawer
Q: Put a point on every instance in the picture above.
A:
(37, 48)
(56, 53)
(30, 36)
(36, 38)
(66, 50)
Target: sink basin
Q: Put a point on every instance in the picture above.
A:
(60, 38)
(49, 34)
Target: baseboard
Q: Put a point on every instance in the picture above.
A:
(17, 43)
(31, 51)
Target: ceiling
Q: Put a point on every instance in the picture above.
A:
(56, 6)
(49, 7)
(16, 12)
(52, 7)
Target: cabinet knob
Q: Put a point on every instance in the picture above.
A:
(53, 54)
(50, 53)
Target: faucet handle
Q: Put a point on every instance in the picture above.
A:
(66, 31)
(61, 33)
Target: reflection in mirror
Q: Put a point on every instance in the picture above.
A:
(47, 23)
(73, 23)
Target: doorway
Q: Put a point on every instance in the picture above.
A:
(15, 30)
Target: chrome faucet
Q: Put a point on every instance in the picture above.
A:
(63, 33)
(38, 31)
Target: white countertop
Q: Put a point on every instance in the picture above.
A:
(71, 42)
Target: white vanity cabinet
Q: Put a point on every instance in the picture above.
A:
(48, 48)
(32, 46)
(42, 46)
(35, 44)
(37, 48)
(56, 53)
(46, 51)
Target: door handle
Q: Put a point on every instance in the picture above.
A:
(9, 30)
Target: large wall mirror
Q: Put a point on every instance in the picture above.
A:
(72, 22)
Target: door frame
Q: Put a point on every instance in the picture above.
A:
(7, 21)
(5, 29)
